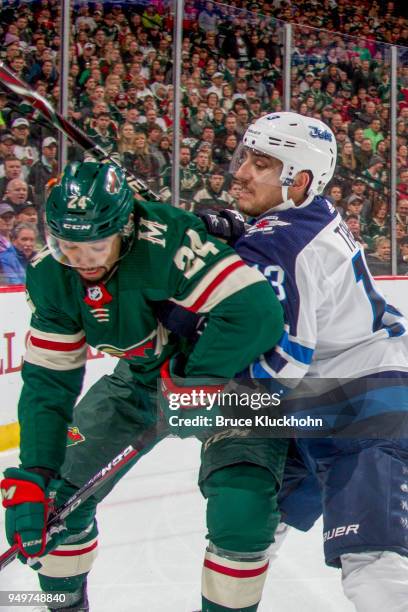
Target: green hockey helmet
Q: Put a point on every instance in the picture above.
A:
(91, 202)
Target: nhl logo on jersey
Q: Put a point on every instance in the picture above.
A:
(97, 297)
(94, 293)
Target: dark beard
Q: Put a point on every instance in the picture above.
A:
(104, 279)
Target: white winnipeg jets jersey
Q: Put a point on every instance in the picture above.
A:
(337, 322)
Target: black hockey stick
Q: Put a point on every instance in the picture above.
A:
(12, 82)
(137, 449)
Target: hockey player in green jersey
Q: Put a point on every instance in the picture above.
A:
(109, 260)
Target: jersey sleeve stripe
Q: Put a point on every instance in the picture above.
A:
(56, 351)
(214, 285)
(55, 337)
(213, 289)
(56, 346)
(267, 366)
(208, 278)
(299, 364)
(276, 366)
(295, 349)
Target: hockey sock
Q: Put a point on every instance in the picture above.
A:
(208, 606)
(242, 516)
(69, 585)
(65, 569)
(232, 584)
(74, 589)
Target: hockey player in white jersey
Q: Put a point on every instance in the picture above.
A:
(337, 325)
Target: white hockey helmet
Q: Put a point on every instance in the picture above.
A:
(299, 142)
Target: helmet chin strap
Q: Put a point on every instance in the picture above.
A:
(287, 202)
(285, 196)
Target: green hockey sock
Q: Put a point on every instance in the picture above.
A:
(69, 585)
(208, 606)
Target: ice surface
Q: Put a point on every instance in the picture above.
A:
(152, 540)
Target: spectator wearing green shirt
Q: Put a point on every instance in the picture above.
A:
(3, 100)
(378, 225)
(151, 18)
(260, 61)
(362, 50)
(317, 94)
(103, 132)
(374, 133)
(375, 175)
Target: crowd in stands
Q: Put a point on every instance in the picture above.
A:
(121, 94)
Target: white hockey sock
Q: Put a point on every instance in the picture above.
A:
(69, 560)
(376, 580)
(234, 581)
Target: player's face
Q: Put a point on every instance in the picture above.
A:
(259, 176)
(92, 260)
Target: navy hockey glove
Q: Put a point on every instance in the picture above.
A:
(227, 224)
(179, 320)
(28, 497)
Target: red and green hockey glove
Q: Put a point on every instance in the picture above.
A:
(190, 406)
(29, 499)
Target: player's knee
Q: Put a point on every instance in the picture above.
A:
(242, 512)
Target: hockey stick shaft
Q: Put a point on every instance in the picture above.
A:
(13, 83)
(132, 452)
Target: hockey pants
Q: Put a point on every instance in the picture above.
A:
(361, 487)
(239, 477)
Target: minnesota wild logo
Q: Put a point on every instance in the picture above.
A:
(136, 350)
(74, 436)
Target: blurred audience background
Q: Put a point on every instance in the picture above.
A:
(121, 94)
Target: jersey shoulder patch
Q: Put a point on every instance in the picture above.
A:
(267, 225)
(40, 256)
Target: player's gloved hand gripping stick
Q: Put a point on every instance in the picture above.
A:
(30, 517)
(28, 499)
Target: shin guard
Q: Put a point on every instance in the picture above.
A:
(242, 517)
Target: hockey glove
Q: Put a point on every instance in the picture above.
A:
(179, 320)
(29, 499)
(227, 224)
(188, 405)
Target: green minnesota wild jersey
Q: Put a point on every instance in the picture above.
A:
(172, 258)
